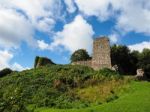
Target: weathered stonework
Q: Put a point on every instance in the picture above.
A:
(101, 55)
(42, 61)
(85, 63)
(140, 74)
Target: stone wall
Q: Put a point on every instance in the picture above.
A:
(85, 63)
(101, 55)
(42, 61)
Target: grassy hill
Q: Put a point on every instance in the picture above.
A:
(66, 88)
(137, 99)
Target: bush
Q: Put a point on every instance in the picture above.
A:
(5, 72)
(49, 86)
(80, 55)
(111, 98)
(108, 73)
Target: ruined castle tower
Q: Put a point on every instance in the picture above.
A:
(101, 53)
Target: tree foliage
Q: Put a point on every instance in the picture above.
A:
(128, 61)
(80, 55)
(144, 61)
(5, 72)
(121, 56)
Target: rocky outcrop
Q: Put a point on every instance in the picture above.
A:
(140, 74)
(115, 68)
(42, 61)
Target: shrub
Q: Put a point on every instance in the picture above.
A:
(5, 72)
(49, 86)
(108, 73)
(80, 55)
(111, 98)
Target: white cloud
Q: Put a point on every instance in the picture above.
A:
(97, 8)
(140, 46)
(135, 16)
(70, 6)
(42, 45)
(20, 18)
(130, 15)
(18, 67)
(75, 35)
(46, 24)
(14, 28)
(34, 9)
(41, 13)
(5, 57)
(114, 37)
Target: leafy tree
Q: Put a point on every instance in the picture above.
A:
(134, 59)
(80, 55)
(5, 72)
(126, 61)
(144, 61)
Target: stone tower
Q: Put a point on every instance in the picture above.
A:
(101, 53)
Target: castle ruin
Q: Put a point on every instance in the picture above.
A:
(101, 55)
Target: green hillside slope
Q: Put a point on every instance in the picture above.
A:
(71, 88)
(136, 100)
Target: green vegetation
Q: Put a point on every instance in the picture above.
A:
(5, 72)
(135, 99)
(144, 61)
(67, 88)
(128, 62)
(80, 55)
(121, 56)
(58, 86)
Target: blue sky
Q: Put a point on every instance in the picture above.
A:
(56, 28)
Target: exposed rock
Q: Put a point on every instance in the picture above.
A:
(115, 68)
(140, 74)
(42, 61)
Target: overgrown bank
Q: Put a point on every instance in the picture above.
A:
(58, 86)
(135, 99)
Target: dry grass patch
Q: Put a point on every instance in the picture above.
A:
(102, 92)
